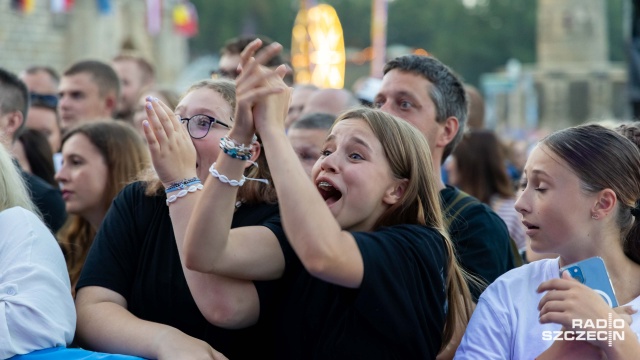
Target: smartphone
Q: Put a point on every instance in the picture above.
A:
(593, 273)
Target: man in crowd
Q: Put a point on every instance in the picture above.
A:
(330, 101)
(43, 82)
(136, 74)
(427, 94)
(89, 90)
(14, 105)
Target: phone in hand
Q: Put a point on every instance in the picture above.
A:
(593, 273)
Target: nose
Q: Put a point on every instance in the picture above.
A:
(63, 102)
(61, 175)
(329, 163)
(521, 205)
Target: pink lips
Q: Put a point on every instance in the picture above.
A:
(66, 194)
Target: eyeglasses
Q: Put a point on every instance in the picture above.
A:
(198, 125)
(222, 73)
(48, 101)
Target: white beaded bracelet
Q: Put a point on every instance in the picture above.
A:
(184, 192)
(224, 178)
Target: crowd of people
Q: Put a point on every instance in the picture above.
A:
(251, 217)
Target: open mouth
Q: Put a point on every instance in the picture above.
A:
(530, 226)
(329, 193)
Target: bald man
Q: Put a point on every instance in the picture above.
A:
(330, 101)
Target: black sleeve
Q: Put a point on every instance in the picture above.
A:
(48, 200)
(483, 244)
(114, 255)
(270, 293)
(403, 288)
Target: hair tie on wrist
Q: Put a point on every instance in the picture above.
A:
(182, 184)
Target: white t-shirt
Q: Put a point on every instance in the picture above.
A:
(36, 307)
(505, 323)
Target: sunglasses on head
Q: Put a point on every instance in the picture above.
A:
(49, 101)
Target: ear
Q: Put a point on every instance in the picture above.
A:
(605, 203)
(256, 150)
(111, 102)
(10, 123)
(449, 130)
(395, 193)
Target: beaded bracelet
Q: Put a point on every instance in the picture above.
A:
(182, 184)
(235, 150)
(184, 192)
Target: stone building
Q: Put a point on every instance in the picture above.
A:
(60, 39)
(572, 81)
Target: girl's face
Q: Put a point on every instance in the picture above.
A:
(83, 176)
(554, 208)
(354, 176)
(207, 102)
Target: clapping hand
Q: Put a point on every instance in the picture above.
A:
(172, 152)
(262, 96)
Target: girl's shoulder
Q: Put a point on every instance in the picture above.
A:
(523, 279)
(406, 239)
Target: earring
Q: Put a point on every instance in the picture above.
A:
(594, 217)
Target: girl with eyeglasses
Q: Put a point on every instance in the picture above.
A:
(134, 295)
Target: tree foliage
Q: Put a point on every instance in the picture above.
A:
(471, 39)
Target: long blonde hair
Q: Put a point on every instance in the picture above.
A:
(13, 190)
(125, 155)
(409, 157)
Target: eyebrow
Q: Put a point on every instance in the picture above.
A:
(355, 139)
(537, 172)
(198, 111)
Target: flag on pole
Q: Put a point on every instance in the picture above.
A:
(104, 7)
(154, 16)
(185, 19)
(23, 6)
(61, 6)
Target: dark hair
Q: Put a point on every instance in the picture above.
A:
(125, 155)
(603, 159)
(446, 90)
(14, 96)
(39, 155)
(147, 71)
(631, 131)
(314, 121)
(236, 45)
(32, 70)
(103, 75)
(481, 165)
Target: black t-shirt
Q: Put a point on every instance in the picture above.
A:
(480, 237)
(48, 200)
(135, 254)
(397, 312)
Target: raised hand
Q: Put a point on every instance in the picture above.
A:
(256, 85)
(172, 152)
